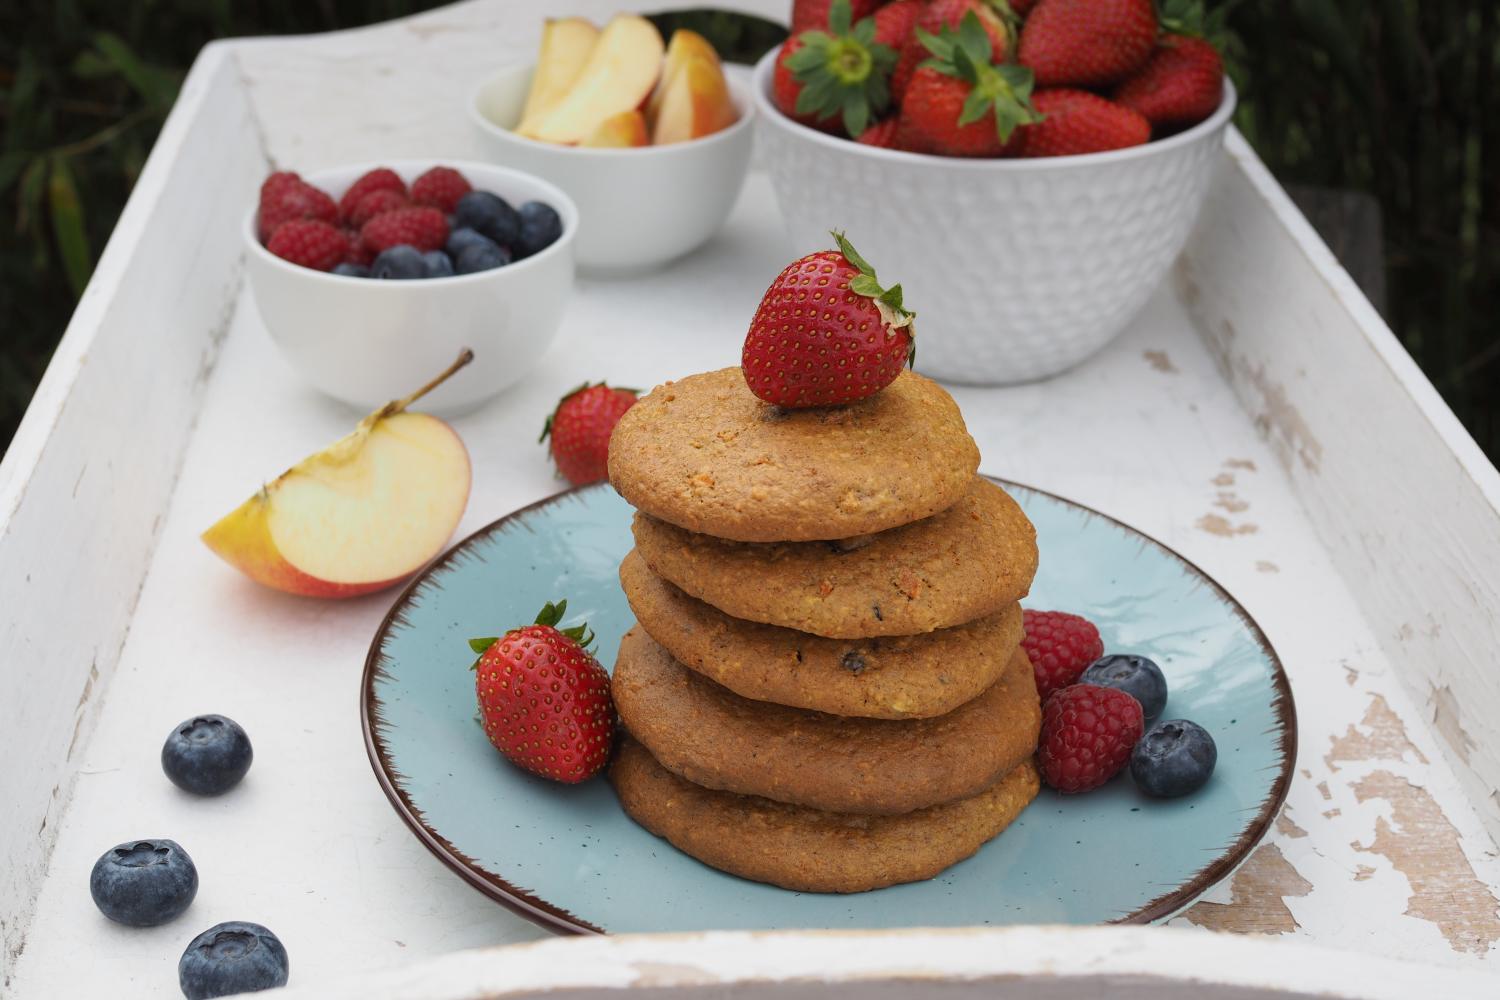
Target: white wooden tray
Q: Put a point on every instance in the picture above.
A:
(1258, 417)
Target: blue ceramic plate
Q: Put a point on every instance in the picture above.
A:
(569, 858)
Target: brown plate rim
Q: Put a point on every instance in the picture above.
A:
(539, 911)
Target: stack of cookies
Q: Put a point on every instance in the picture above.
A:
(825, 689)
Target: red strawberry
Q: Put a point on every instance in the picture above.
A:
(1020, 8)
(423, 228)
(440, 188)
(381, 178)
(1076, 121)
(813, 15)
(580, 429)
(1087, 43)
(544, 699)
(826, 332)
(285, 197)
(882, 134)
(376, 203)
(894, 21)
(1088, 733)
(933, 18)
(838, 77)
(1181, 84)
(310, 243)
(962, 104)
(1060, 646)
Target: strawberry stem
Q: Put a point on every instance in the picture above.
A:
(1003, 91)
(843, 71)
(888, 302)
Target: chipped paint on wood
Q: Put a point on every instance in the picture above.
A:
(1445, 718)
(1258, 898)
(1160, 361)
(1266, 566)
(1423, 845)
(1287, 827)
(1216, 525)
(1379, 736)
(1241, 463)
(1223, 479)
(1363, 873)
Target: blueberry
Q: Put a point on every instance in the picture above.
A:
(1135, 675)
(143, 882)
(540, 227)
(439, 264)
(401, 262)
(349, 270)
(481, 258)
(1173, 758)
(234, 957)
(461, 239)
(489, 215)
(206, 755)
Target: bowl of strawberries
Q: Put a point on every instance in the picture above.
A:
(1029, 170)
(363, 274)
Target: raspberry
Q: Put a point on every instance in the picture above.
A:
(1060, 647)
(376, 203)
(423, 228)
(440, 188)
(309, 243)
(1088, 733)
(379, 179)
(287, 199)
(358, 252)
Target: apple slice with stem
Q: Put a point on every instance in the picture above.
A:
(362, 514)
(696, 103)
(628, 128)
(566, 44)
(622, 68)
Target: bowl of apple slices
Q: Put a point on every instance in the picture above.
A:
(650, 140)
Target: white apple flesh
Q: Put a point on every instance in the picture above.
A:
(359, 516)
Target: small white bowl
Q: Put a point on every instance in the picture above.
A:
(366, 342)
(640, 207)
(1017, 269)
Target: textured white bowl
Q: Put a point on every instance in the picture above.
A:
(367, 342)
(638, 208)
(1017, 269)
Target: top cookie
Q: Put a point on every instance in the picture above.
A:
(706, 455)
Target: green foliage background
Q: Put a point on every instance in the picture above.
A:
(1399, 99)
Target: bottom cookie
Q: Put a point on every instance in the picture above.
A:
(808, 850)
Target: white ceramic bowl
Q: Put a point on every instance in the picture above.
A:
(1017, 269)
(367, 342)
(638, 208)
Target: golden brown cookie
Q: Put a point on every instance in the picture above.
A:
(807, 850)
(896, 677)
(879, 767)
(705, 454)
(969, 561)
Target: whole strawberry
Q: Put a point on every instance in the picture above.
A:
(933, 18)
(1060, 646)
(882, 134)
(423, 228)
(1087, 43)
(285, 197)
(309, 243)
(1076, 121)
(959, 103)
(826, 333)
(894, 22)
(440, 188)
(580, 429)
(1088, 734)
(812, 15)
(834, 77)
(544, 699)
(379, 179)
(1180, 85)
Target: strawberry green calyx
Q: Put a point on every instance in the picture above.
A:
(1001, 91)
(843, 71)
(887, 300)
(549, 616)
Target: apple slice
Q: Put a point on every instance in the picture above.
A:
(628, 128)
(620, 72)
(566, 44)
(695, 104)
(359, 516)
(685, 44)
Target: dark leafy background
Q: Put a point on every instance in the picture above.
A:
(1381, 116)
